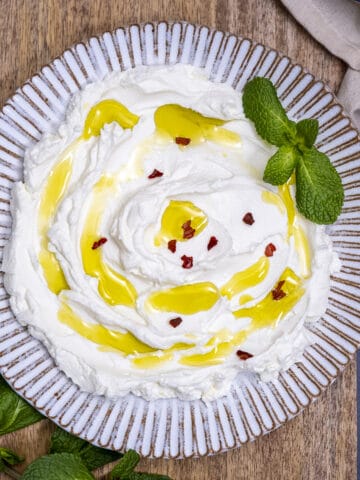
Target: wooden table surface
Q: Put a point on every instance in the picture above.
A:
(320, 444)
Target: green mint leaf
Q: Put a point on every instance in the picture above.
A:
(126, 465)
(306, 132)
(124, 470)
(319, 192)
(91, 456)
(281, 165)
(59, 466)
(262, 106)
(15, 413)
(8, 457)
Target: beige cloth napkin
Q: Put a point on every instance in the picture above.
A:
(336, 25)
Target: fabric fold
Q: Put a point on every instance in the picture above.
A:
(336, 25)
(349, 94)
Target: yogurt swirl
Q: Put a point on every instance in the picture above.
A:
(132, 256)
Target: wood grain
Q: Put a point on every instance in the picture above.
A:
(319, 444)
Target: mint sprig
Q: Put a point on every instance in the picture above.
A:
(8, 457)
(70, 458)
(58, 466)
(15, 413)
(124, 470)
(319, 191)
(91, 456)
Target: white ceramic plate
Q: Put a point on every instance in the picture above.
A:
(174, 428)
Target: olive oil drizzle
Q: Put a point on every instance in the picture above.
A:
(113, 287)
(266, 313)
(171, 121)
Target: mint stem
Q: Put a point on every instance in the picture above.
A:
(11, 473)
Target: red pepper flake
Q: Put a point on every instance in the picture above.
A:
(172, 246)
(182, 141)
(244, 355)
(277, 293)
(187, 261)
(270, 249)
(189, 232)
(155, 173)
(175, 322)
(98, 243)
(248, 218)
(212, 243)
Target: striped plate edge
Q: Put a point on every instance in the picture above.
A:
(172, 428)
